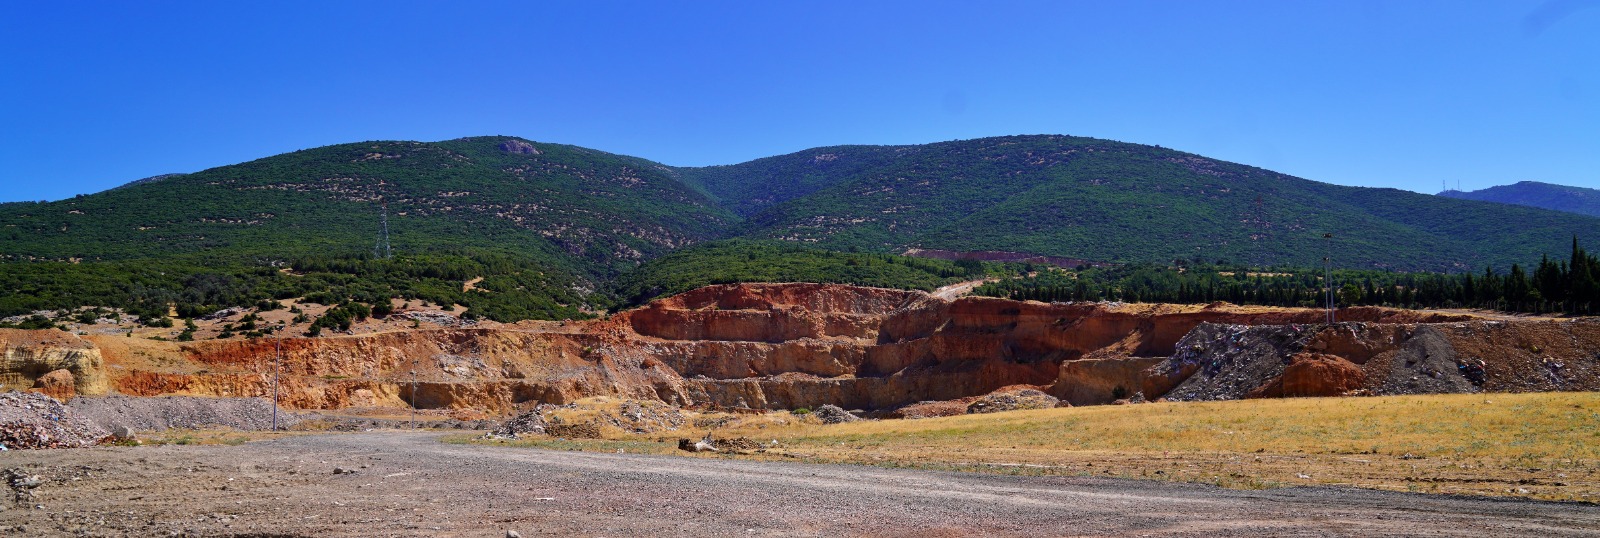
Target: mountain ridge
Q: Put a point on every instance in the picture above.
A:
(594, 214)
(1564, 198)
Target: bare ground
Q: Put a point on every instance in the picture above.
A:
(409, 484)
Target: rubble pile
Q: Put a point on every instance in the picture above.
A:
(833, 414)
(1425, 364)
(932, 409)
(34, 421)
(1012, 400)
(1226, 362)
(531, 422)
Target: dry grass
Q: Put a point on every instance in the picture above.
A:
(1543, 445)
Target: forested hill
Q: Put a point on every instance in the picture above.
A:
(1117, 202)
(553, 231)
(1535, 194)
(575, 209)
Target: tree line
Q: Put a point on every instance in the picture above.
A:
(1570, 286)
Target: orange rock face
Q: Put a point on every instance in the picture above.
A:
(1314, 374)
(773, 346)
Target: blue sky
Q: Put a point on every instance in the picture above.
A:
(1404, 94)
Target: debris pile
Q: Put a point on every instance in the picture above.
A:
(932, 408)
(705, 444)
(646, 417)
(34, 421)
(1012, 400)
(1425, 364)
(531, 422)
(1226, 362)
(833, 414)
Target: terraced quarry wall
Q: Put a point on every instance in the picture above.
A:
(775, 346)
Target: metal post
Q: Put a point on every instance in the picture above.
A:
(414, 424)
(1327, 272)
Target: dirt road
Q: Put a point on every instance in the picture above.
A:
(409, 484)
(959, 289)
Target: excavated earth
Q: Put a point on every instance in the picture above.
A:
(784, 346)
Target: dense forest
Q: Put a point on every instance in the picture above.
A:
(510, 290)
(1554, 286)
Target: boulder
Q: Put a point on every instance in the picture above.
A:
(58, 384)
(1313, 374)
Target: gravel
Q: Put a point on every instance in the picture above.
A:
(413, 485)
(184, 412)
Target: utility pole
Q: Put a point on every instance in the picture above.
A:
(1327, 271)
(277, 361)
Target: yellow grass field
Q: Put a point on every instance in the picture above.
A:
(1544, 445)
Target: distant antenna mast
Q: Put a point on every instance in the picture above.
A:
(1327, 272)
(381, 250)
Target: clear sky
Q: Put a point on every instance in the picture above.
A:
(1390, 93)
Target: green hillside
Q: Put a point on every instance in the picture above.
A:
(1535, 194)
(1116, 202)
(545, 224)
(559, 231)
(575, 208)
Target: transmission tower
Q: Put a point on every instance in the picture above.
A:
(381, 250)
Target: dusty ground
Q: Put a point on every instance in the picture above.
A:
(409, 484)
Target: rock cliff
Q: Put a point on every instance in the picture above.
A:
(775, 346)
(30, 359)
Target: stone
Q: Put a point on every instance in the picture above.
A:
(58, 384)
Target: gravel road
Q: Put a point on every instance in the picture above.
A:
(409, 484)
